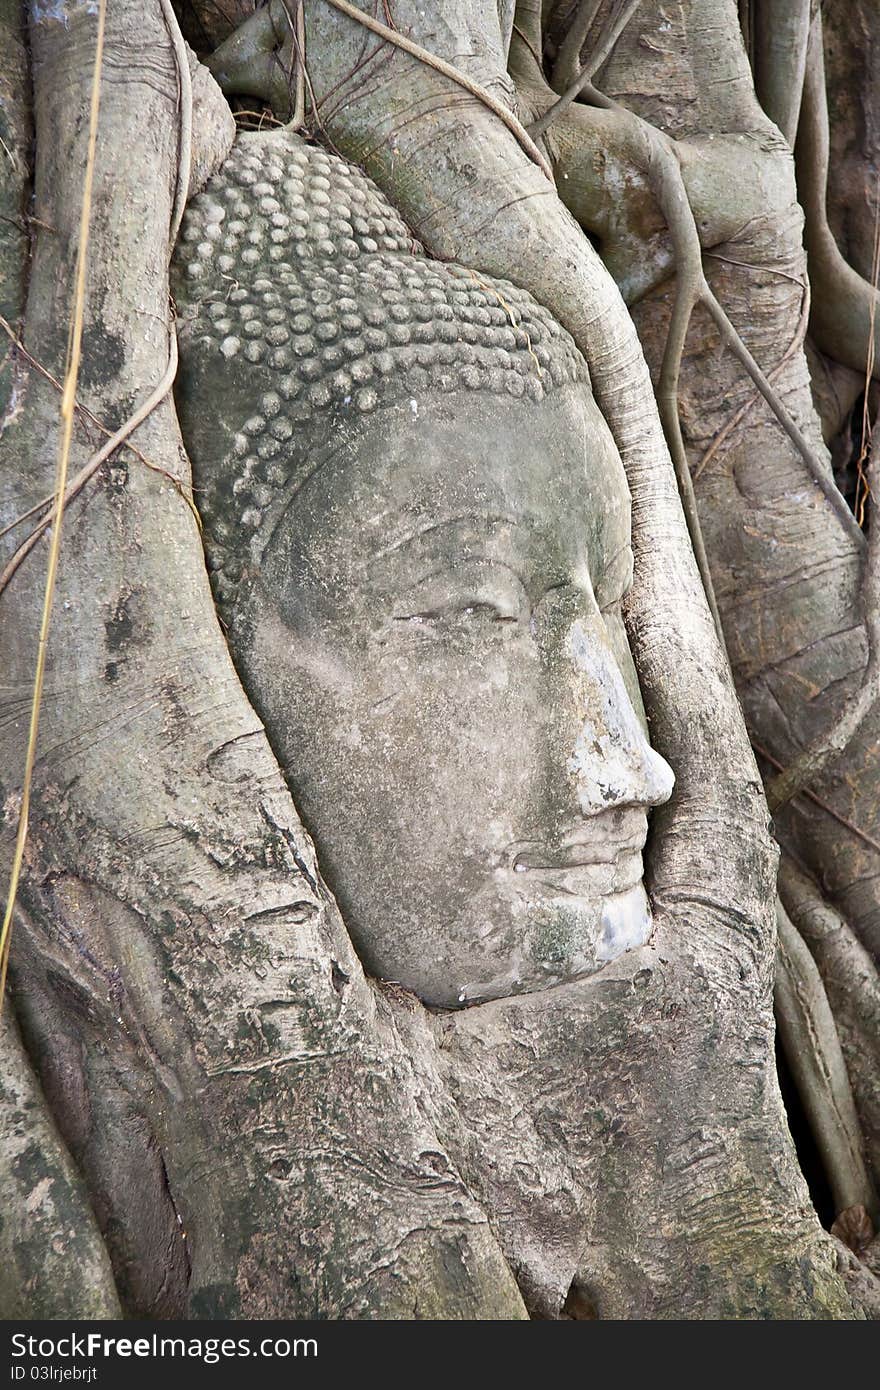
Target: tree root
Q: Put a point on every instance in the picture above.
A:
(813, 759)
(90, 469)
(812, 1050)
(185, 130)
(845, 307)
(86, 415)
(608, 38)
(65, 492)
(567, 67)
(299, 43)
(56, 517)
(257, 38)
(852, 985)
(781, 35)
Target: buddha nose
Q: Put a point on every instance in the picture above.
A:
(611, 761)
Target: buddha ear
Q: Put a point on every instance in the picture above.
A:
(258, 59)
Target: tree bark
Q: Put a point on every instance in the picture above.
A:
(54, 1262)
(261, 1130)
(786, 576)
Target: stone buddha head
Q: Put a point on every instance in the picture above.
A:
(418, 528)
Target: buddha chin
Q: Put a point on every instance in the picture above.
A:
(556, 939)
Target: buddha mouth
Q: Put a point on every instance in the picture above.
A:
(609, 840)
(588, 880)
(598, 860)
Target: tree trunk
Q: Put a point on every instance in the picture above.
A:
(258, 1128)
(787, 575)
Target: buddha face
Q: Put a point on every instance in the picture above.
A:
(435, 644)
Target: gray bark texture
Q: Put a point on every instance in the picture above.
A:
(787, 578)
(53, 1257)
(248, 1125)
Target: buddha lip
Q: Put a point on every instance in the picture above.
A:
(580, 878)
(577, 856)
(610, 838)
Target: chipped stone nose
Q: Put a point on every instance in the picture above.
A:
(612, 762)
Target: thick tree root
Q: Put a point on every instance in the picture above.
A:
(781, 32)
(846, 309)
(816, 757)
(579, 84)
(53, 1263)
(251, 52)
(852, 985)
(68, 417)
(812, 1050)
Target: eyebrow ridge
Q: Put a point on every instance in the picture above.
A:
(479, 559)
(439, 526)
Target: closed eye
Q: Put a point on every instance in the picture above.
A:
(469, 592)
(475, 612)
